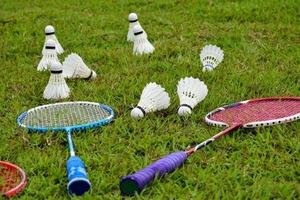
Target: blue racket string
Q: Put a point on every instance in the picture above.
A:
(64, 115)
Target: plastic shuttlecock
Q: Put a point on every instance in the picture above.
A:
(133, 20)
(211, 56)
(153, 98)
(49, 56)
(57, 87)
(74, 67)
(141, 43)
(50, 34)
(190, 91)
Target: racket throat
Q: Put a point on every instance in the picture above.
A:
(228, 130)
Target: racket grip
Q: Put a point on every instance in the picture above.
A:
(78, 181)
(136, 182)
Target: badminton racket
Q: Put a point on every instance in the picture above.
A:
(12, 179)
(246, 114)
(69, 117)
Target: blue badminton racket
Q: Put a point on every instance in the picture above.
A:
(69, 117)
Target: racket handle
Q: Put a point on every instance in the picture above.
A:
(78, 181)
(136, 182)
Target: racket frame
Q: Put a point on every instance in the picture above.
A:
(68, 128)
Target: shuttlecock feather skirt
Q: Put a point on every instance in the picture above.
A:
(142, 46)
(49, 56)
(57, 87)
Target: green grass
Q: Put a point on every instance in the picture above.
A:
(261, 44)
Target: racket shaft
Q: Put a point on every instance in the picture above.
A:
(215, 137)
(138, 181)
(70, 143)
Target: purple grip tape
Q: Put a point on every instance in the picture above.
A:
(137, 181)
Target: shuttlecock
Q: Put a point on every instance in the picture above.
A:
(49, 56)
(211, 56)
(190, 91)
(74, 67)
(133, 20)
(141, 43)
(57, 87)
(153, 98)
(50, 34)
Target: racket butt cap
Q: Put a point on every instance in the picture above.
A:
(129, 186)
(78, 187)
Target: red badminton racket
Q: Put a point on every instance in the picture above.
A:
(246, 114)
(12, 179)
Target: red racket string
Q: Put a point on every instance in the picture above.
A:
(239, 114)
(260, 110)
(9, 179)
(12, 179)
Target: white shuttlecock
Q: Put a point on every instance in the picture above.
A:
(141, 43)
(49, 56)
(57, 87)
(153, 98)
(74, 67)
(211, 56)
(190, 91)
(50, 34)
(133, 20)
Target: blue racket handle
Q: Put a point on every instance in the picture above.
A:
(136, 182)
(77, 176)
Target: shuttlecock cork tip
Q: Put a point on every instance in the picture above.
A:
(137, 113)
(137, 30)
(56, 67)
(184, 110)
(132, 17)
(49, 30)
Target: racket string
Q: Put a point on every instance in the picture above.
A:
(257, 111)
(63, 115)
(9, 179)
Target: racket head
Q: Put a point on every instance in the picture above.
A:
(71, 116)
(256, 112)
(12, 179)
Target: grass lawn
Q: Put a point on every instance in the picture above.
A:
(260, 40)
